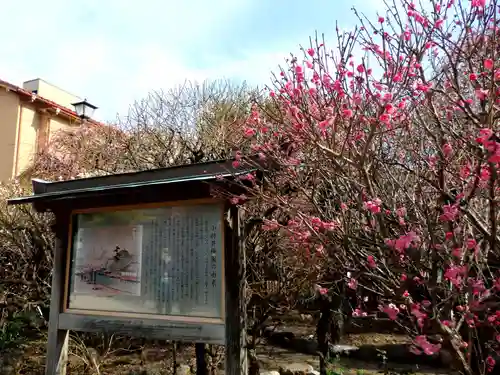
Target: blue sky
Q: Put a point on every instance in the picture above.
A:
(115, 51)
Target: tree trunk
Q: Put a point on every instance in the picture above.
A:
(322, 331)
(329, 328)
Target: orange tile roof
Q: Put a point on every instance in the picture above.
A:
(49, 103)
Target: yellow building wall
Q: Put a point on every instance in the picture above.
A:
(23, 132)
(30, 122)
(32, 125)
(9, 114)
(58, 123)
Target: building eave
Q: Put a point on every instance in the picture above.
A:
(58, 110)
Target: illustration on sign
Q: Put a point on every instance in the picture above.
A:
(105, 268)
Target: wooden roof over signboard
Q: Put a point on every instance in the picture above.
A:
(49, 193)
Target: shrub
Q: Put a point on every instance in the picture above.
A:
(26, 245)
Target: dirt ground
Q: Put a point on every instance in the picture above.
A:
(29, 359)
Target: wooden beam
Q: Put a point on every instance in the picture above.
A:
(57, 347)
(235, 269)
(42, 132)
(157, 329)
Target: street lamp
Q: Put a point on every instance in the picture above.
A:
(84, 109)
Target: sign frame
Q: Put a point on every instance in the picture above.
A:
(128, 208)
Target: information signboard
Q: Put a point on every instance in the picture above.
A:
(152, 254)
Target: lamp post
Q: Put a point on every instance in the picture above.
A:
(84, 109)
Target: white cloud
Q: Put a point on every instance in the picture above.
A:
(115, 51)
(107, 50)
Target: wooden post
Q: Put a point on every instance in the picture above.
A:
(201, 361)
(57, 346)
(235, 271)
